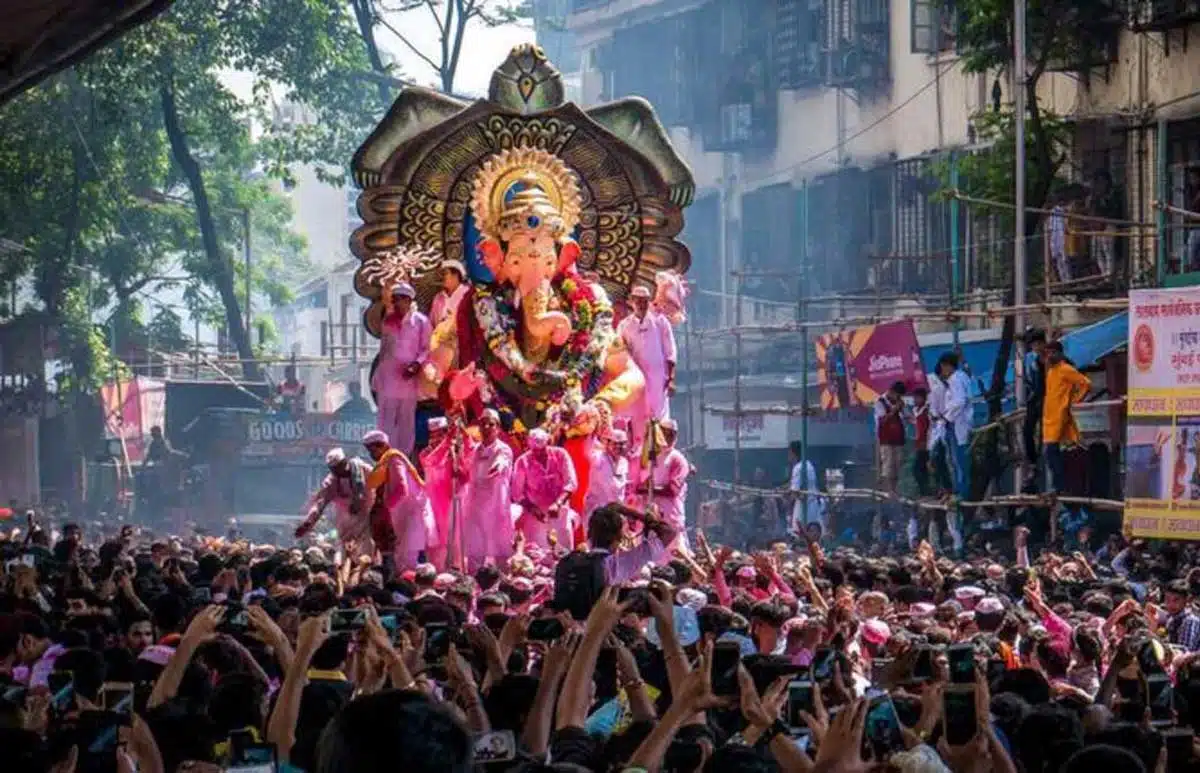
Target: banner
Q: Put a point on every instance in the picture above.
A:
(1162, 456)
(301, 438)
(758, 430)
(131, 408)
(855, 367)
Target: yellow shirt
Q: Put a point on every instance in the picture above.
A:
(1064, 386)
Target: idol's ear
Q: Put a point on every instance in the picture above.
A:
(567, 255)
(492, 255)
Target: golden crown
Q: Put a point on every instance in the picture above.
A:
(525, 188)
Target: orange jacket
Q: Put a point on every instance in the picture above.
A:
(1065, 386)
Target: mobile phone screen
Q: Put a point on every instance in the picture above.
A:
(800, 699)
(727, 656)
(923, 665)
(882, 730)
(958, 712)
(1161, 699)
(1179, 748)
(118, 697)
(606, 674)
(822, 664)
(62, 689)
(961, 659)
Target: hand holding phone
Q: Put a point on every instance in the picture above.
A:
(727, 657)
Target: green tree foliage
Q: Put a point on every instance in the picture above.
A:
(155, 113)
(1060, 35)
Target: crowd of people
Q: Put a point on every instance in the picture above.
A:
(133, 651)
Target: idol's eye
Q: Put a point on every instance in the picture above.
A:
(533, 221)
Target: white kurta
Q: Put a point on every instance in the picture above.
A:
(608, 481)
(651, 343)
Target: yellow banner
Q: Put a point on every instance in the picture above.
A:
(1156, 519)
(1164, 402)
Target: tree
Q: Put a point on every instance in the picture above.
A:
(453, 18)
(154, 113)
(1060, 35)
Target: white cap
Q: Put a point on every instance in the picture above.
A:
(617, 436)
(403, 290)
(438, 422)
(375, 436)
(670, 424)
(455, 265)
(335, 456)
(640, 291)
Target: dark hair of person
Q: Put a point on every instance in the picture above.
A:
(394, 730)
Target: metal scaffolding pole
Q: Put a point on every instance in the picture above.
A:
(1018, 77)
(801, 313)
(737, 382)
(954, 214)
(1160, 217)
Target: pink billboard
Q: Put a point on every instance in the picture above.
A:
(856, 366)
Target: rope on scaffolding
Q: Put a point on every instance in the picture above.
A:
(1172, 210)
(958, 194)
(1011, 500)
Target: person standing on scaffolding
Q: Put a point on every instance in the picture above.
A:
(1034, 375)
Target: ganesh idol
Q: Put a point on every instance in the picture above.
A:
(541, 209)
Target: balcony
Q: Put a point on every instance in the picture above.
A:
(857, 44)
(1162, 15)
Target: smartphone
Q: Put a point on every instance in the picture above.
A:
(62, 689)
(639, 599)
(879, 669)
(437, 643)
(1178, 741)
(248, 756)
(882, 735)
(727, 656)
(1160, 697)
(958, 714)
(923, 665)
(495, 746)
(800, 699)
(117, 697)
(201, 594)
(995, 670)
(606, 674)
(236, 620)
(546, 629)
(822, 664)
(347, 620)
(962, 663)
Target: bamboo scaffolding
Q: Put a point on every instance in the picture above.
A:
(876, 495)
(1020, 412)
(1006, 205)
(1098, 304)
(1172, 210)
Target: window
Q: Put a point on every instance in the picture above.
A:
(934, 26)
(799, 29)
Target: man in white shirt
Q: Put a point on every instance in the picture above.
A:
(957, 413)
(805, 510)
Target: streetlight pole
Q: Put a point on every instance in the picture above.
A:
(1018, 76)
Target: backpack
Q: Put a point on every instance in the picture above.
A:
(579, 580)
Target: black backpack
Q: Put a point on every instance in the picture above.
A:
(579, 580)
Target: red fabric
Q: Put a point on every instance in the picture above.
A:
(891, 428)
(579, 449)
(923, 428)
(381, 527)
(470, 335)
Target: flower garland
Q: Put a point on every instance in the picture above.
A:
(579, 359)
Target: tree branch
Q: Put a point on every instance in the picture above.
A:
(409, 45)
